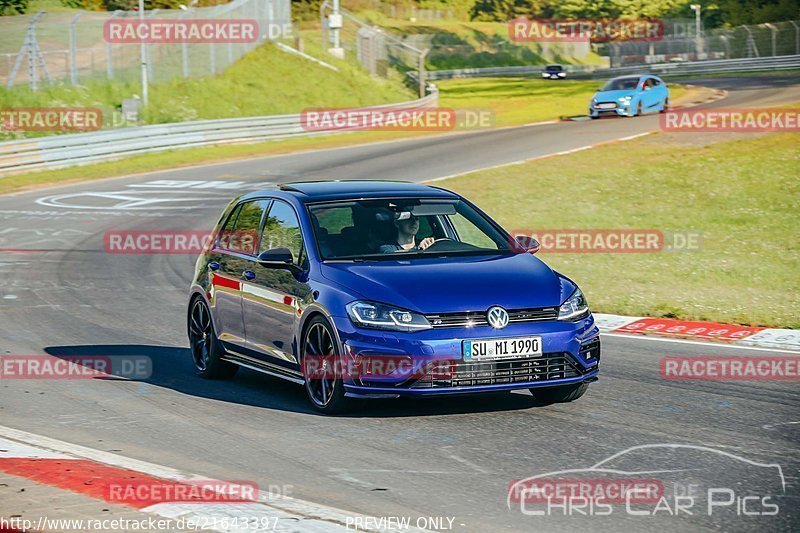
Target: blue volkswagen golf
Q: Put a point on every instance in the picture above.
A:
(378, 289)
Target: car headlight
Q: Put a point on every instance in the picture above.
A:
(379, 316)
(545, 74)
(594, 101)
(574, 308)
(625, 100)
(561, 74)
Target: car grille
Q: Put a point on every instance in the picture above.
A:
(478, 318)
(473, 374)
(606, 106)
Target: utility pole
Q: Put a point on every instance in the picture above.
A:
(421, 71)
(335, 22)
(143, 52)
(697, 31)
(336, 27)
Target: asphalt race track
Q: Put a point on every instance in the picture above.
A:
(445, 457)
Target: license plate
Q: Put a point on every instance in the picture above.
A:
(606, 106)
(511, 348)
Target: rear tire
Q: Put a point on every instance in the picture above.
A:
(326, 390)
(563, 394)
(206, 349)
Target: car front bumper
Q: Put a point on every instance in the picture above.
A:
(622, 110)
(433, 363)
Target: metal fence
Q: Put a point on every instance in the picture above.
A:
(70, 46)
(761, 40)
(375, 48)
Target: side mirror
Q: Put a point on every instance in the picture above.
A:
(530, 244)
(277, 258)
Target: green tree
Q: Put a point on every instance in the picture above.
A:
(738, 12)
(13, 7)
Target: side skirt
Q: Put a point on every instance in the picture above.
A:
(263, 367)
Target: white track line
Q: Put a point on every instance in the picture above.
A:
(543, 156)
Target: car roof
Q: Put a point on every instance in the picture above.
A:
(628, 77)
(635, 76)
(320, 191)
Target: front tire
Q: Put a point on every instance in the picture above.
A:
(665, 105)
(322, 369)
(206, 349)
(562, 394)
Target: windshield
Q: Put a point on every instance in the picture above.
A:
(555, 68)
(394, 228)
(620, 84)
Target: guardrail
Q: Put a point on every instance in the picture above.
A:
(60, 151)
(717, 66)
(714, 66)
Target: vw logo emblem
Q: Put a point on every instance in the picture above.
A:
(497, 317)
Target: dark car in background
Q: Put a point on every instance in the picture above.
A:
(554, 72)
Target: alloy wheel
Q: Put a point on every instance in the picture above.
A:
(200, 334)
(319, 363)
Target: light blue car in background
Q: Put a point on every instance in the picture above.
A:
(629, 96)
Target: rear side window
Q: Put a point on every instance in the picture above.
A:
(240, 233)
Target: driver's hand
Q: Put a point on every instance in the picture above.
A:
(424, 243)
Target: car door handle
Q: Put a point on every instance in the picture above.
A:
(249, 274)
(213, 265)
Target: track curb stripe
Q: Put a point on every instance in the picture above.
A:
(90, 472)
(784, 339)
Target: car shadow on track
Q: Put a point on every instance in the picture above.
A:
(172, 369)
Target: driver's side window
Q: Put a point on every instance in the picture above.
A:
(282, 230)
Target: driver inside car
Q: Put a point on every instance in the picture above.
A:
(407, 227)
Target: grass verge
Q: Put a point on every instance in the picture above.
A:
(460, 44)
(266, 81)
(524, 100)
(515, 101)
(742, 195)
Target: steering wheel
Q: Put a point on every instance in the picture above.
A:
(437, 241)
